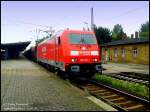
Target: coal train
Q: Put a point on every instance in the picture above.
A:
(71, 53)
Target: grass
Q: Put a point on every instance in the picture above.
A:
(136, 88)
(7, 83)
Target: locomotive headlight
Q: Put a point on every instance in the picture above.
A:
(95, 60)
(74, 60)
(74, 53)
(94, 53)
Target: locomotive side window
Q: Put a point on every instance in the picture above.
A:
(82, 39)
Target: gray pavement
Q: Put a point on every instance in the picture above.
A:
(127, 67)
(27, 86)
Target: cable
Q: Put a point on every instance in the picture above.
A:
(29, 23)
(128, 12)
(123, 14)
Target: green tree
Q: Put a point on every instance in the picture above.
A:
(118, 33)
(144, 30)
(103, 35)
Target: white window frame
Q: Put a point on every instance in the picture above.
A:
(134, 52)
(115, 52)
(123, 52)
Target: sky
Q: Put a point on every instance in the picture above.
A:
(20, 19)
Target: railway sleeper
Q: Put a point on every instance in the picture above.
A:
(139, 81)
(94, 89)
(117, 99)
(134, 79)
(97, 91)
(134, 107)
(142, 108)
(99, 88)
(101, 95)
(105, 93)
(124, 102)
(121, 101)
(90, 85)
(110, 96)
(129, 78)
(129, 104)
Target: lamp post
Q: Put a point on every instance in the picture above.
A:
(92, 19)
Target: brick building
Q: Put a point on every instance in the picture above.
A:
(134, 50)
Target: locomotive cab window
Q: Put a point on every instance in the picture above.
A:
(82, 39)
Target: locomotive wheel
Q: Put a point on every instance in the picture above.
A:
(51, 68)
(89, 75)
(62, 74)
(47, 66)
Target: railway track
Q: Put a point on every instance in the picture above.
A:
(135, 75)
(131, 76)
(116, 98)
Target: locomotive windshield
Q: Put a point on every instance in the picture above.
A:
(82, 39)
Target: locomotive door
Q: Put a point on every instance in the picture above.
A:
(56, 50)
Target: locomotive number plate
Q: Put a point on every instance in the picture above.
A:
(85, 52)
(85, 60)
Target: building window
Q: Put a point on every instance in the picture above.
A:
(123, 52)
(134, 52)
(115, 52)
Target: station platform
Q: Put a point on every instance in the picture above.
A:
(27, 86)
(125, 67)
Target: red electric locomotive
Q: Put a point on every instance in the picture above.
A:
(71, 52)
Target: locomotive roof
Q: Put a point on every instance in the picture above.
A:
(60, 32)
(78, 31)
(53, 36)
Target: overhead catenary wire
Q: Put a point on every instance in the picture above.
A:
(124, 14)
(129, 11)
(28, 23)
(110, 20)
(33, 24)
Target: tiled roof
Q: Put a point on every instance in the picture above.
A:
(128, 41)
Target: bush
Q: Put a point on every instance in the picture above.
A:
(136, 88)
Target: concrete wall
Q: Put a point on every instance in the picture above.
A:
(141, 58)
